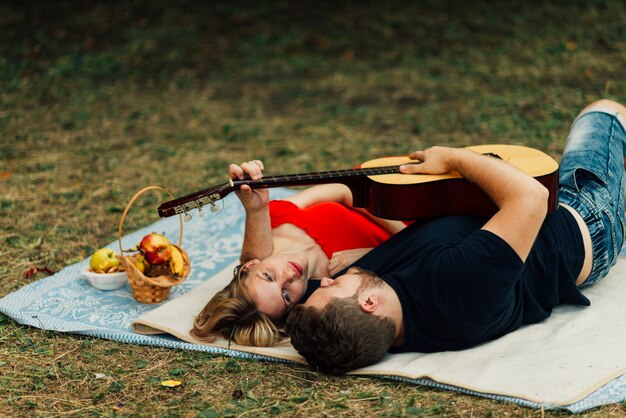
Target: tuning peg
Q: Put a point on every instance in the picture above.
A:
(215, 208)
(200, 211)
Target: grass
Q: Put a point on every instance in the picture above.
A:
(99, 100)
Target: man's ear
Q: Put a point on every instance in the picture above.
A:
(369, 303)
(248, 265)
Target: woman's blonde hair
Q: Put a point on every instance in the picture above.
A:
(233, 314)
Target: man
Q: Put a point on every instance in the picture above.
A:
(456, 282)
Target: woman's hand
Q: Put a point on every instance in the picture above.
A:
(345, 258)
(252, 200)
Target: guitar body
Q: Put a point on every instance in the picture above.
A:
(379, 187)
(414, 196)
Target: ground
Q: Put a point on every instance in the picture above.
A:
(99, 100)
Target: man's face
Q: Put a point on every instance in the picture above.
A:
(342, 287)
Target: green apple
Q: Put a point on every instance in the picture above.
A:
(103, 259)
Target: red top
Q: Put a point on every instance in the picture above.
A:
(332, 225)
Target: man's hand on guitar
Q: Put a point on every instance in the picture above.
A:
(434, 160)
(251, 199)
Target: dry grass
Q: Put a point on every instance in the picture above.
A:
(100, 102)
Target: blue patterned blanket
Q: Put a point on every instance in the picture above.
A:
(65, 302)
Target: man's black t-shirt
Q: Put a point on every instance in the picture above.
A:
(460, 285)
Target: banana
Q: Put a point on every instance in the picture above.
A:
(177, 262)
(141, 263)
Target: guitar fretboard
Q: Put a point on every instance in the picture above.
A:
(328, 176)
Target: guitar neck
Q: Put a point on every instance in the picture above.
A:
(209, 196)
(319, 177)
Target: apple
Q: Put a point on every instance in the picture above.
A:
(155, 248)
(103, 259)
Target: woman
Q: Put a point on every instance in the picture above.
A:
(312, 234)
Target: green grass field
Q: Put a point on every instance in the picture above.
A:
(98, 100)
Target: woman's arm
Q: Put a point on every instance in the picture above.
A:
(339, 193)
(522, 201)
(257, 238)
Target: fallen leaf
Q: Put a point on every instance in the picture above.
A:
(34, 270)
(171, 383)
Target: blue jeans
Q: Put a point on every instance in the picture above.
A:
(592, 181)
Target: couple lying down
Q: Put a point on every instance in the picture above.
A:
(445, 284)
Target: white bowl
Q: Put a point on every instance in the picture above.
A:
(104, 281)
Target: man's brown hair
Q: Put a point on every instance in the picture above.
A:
(340, 337)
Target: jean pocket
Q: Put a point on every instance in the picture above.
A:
(584, 175)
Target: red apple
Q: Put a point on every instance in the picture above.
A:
(155, 248)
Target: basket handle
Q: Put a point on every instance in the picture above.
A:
(130, 203)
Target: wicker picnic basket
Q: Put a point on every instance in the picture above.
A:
(150, 289)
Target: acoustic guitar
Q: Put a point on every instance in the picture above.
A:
(378, 186)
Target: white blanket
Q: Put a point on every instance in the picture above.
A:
(557, 362)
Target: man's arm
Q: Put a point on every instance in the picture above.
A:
(522, 201)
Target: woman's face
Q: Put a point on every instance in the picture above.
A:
(277, 283)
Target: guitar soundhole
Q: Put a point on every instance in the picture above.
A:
(494, 155)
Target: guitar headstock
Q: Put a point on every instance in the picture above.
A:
(186, 205)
